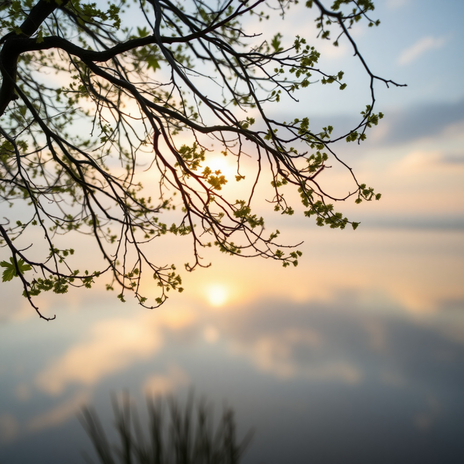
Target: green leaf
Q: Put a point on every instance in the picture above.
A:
(11, 271)
(276, 42)
(152, 62)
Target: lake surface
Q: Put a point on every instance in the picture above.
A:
(355, 356)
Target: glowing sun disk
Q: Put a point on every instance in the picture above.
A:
(217, 295)
(221, 163)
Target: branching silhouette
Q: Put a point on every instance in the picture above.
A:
(87, 102)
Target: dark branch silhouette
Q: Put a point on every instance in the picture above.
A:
(192, 75)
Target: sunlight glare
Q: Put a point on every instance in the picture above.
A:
(217, 295)
(223, 164)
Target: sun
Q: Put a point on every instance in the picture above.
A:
(223, 164)
(217, 295)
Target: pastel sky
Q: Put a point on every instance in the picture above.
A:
(369, 326)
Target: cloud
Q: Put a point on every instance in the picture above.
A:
(161, 385)
(340, 343)
(291, 344)
(112, 346)
(405, 124)
(422, 121)
(421, 47)
(419, 160)
(58, 414)
(279, 357)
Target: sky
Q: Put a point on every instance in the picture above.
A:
(356, 355)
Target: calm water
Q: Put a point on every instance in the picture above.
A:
(356, 356)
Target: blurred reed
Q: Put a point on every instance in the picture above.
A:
(185, 435)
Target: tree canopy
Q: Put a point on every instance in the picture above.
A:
(95, 94)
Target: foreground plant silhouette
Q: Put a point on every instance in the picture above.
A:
(189, 437)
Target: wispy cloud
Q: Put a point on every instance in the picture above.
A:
(113, 345)
(421, 47)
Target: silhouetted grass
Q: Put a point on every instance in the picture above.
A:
(184, 435)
